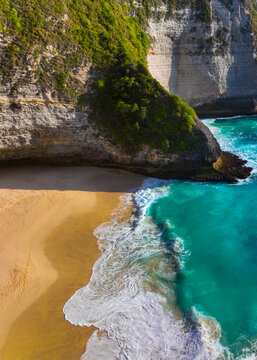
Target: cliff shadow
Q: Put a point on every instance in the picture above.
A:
(63, 178)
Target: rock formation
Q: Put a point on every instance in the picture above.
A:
(210, 65)
(37, 126)
(41, 123)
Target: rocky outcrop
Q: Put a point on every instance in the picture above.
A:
(40, 129)
(212, 66)
(39, 124)
(36, 127)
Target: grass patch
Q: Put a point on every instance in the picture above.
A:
(252, 5)
(66, 34)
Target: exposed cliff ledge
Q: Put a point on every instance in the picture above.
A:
(212, 66)
(41, 120)
(45, 130)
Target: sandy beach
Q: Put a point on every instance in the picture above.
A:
(47, 250)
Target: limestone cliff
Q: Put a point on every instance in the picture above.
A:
(36, 124)
(42, 119)
(210, 65)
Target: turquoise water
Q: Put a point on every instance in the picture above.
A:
(185, 289)
(217, 274)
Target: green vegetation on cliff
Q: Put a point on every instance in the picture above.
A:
(94, 30)
(66, 34)
(149, 8)
(137, 110)
(252, 5)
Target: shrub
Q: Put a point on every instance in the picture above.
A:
(131, 105)
(137, 110)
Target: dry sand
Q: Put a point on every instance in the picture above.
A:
(47, 250)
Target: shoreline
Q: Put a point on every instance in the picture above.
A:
(47, 251)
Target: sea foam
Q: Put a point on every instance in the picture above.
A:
(130, 295)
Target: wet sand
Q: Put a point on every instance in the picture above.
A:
(47, 250)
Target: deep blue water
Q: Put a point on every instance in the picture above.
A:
(217, 272)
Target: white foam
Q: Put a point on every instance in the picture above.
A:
(130, 293)
(248, 153)
(129, 299)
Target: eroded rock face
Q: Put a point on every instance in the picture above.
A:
(42, 130)
(38, 124)
(210, 66)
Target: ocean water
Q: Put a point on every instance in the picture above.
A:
(178, 280)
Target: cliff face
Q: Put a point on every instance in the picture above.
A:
(41, 121)
(36, 125)
(212, 66)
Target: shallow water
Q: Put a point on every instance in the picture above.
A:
(218, 226)
(179, 279)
